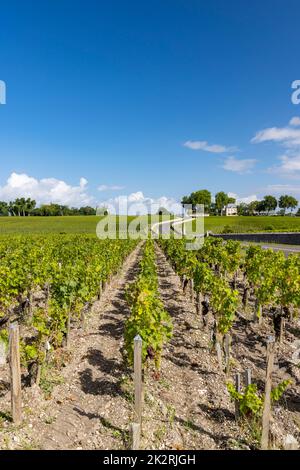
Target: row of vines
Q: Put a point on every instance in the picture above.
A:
(269, 277)
(148, 317)
(47, 283)
(229, 282)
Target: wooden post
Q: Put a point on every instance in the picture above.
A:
(257, 316)
(135, 436)
(100, 289)
(247, 377)
(192, 291)
(235, 276)
(219, 355)
(198, 303)
(68, 330)
(199, 307)
(238, 389)
(291, 314)
(138, 383)
(30, 309)
(245, 298)
(267, 402)
(227, 352)
(38, 374)
(183, 283)
(83, 319)
(260, 314)
(47, 289)
(15, 373)
(282, 328)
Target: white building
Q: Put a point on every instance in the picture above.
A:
(231, 209)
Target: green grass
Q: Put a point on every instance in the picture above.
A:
(251, 224)
(65, 224)
(87, 224)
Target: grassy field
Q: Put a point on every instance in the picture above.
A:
(69, 224)
(252, 224)
(87, 224)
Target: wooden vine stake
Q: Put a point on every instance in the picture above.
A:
(257, 316)
(247, 377)
(219, 355)
(238, 389)
(192, 290)
(15, 373)
(100, 289)
(135, 436)
(198, 303)
(68, 339)
(138, 393)
(138, 385)
(199, 307)
(282, 328)
(227, 352)
(267, 402)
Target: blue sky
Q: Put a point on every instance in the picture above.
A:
(159, 98)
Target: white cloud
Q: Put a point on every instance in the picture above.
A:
(245, 199)
(289, 166)
(288, 137)
(45, 190)
(239, 165)
(283, 188)
(106, 187)
(137, 203)
(203, 145)
(295, 121)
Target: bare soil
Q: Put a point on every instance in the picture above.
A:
(187, 407)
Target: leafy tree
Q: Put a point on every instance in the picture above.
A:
(29, 205)
(260, 207)
(20, 207)
(287, 202)
(231, 200)
(242, 209)
(252, 207)
(87, 210)
(221, 201)
(203, 196)
(3, 208)
(270, 203)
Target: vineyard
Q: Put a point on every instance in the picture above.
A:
(145, 344)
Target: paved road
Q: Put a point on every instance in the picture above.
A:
(175, 224)
(273, 246)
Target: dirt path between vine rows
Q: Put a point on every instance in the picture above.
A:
(188, 407)
(92, 408)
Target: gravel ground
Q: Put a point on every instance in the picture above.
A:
(186, 407)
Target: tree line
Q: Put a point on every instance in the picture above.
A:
(268, 204)
(22, 207)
